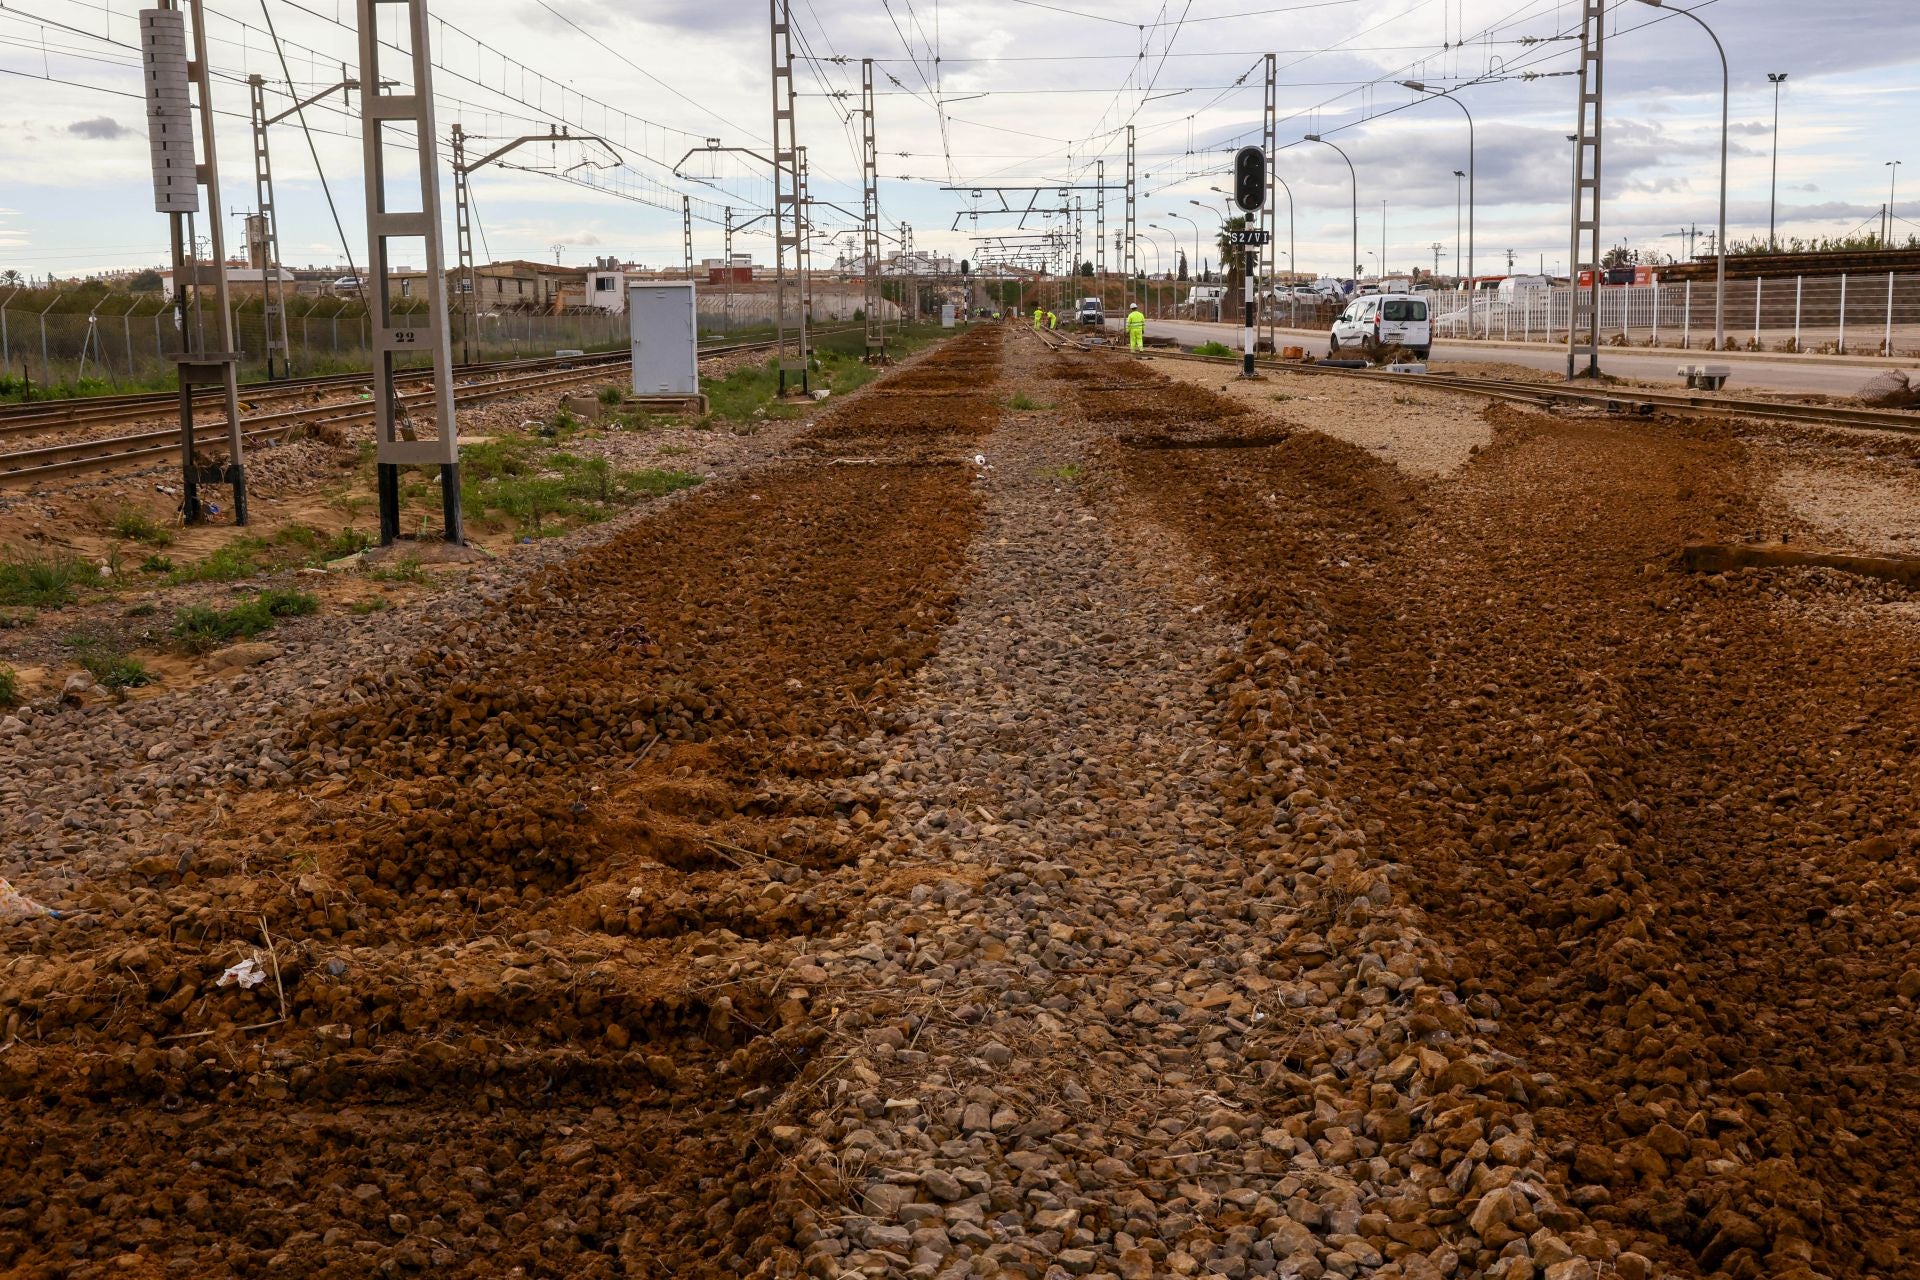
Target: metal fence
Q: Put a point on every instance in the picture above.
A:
(132, 341)
(1870, 315)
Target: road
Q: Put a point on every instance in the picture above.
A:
(1793, 376)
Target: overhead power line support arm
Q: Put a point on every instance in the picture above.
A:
(397, 438)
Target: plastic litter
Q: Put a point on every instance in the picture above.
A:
(16, 906)
(247, 973)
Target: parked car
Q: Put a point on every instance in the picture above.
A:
(1091, 312)
(1379, 322)
(346, 285)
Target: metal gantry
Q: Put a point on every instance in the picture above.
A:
(788, 207)
(173, 81)
(870, 215)
(398, 439)
(1586, 191)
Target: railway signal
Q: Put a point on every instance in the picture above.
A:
(1250, 193)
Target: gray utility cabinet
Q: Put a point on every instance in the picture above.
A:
(666, 357)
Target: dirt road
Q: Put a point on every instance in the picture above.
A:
(1129, 834)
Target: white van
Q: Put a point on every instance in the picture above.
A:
(1378, 322)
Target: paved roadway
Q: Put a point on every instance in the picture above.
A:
(1803, 376)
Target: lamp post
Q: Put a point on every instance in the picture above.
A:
(1173, 256)
(1893, 183)
(1720, 244)
(1195, 264)
(1420, 87)
(1457, 176)
(1354, 179)
(1776, 79)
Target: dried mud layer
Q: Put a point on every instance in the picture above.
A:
(1662, 825)
(529, 914)
(1133, 835)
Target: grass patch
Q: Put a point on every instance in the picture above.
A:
(1069, 473)
(655, 483)
(1281, 396)
(45, 582)
(10, 621)
(674, 450)
(112, 669)
(200, 628)
(157, 564)
(405, 569)
(1213, 349)
(1021, 400)
(145, 609)
(9, 687)
(611, 396)
(296, 546)
(361, 608)
(137, 526)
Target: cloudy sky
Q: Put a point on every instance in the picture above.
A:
(973, 93)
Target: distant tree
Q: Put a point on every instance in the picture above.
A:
(147, 281)
(12, 278)
(1183, 266)
(1231, 256)
(1620, 256)
(1086, 268)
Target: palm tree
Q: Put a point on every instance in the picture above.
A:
(12, 277)
(1232, 255)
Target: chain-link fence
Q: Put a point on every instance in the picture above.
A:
(130, 341)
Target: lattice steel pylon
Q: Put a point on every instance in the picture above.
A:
(273, 293)
(788, 211)
(1269, 259)
(1100, 228)
(686, 233)
(726, 271)
(1586, 191)
(463, 245)
(870, 216)
(397, 438)
(1131, 250)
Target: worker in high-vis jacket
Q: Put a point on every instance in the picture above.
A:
(1053, 321)
(1136, 329)
(1039, 314)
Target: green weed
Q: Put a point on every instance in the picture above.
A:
(1213, 349)
(1021, 400)
(199, 628)
(114, 670)
(137, 526)
(14, 621)
(376, 604)
(655, 483)
(145, 609)
(611, 396)
(46, 582)
(9, 687)
(405, 569)
(1071, 472)
(157, 564)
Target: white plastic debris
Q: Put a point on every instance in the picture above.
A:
(16, 906)
(247, 973)
(979, 459)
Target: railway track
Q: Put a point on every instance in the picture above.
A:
(1626, 401)
(25, 467)
(42, 416)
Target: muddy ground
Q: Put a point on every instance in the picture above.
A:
(1050, 820)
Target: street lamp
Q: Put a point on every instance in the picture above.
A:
(1720, 245)
(1354, 179)
(1420, 87)
(1886, 240)
(1173, 254)
(1195, 265)
(1457, 176)
(1776, 79)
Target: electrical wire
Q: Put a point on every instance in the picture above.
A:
(299, 109)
